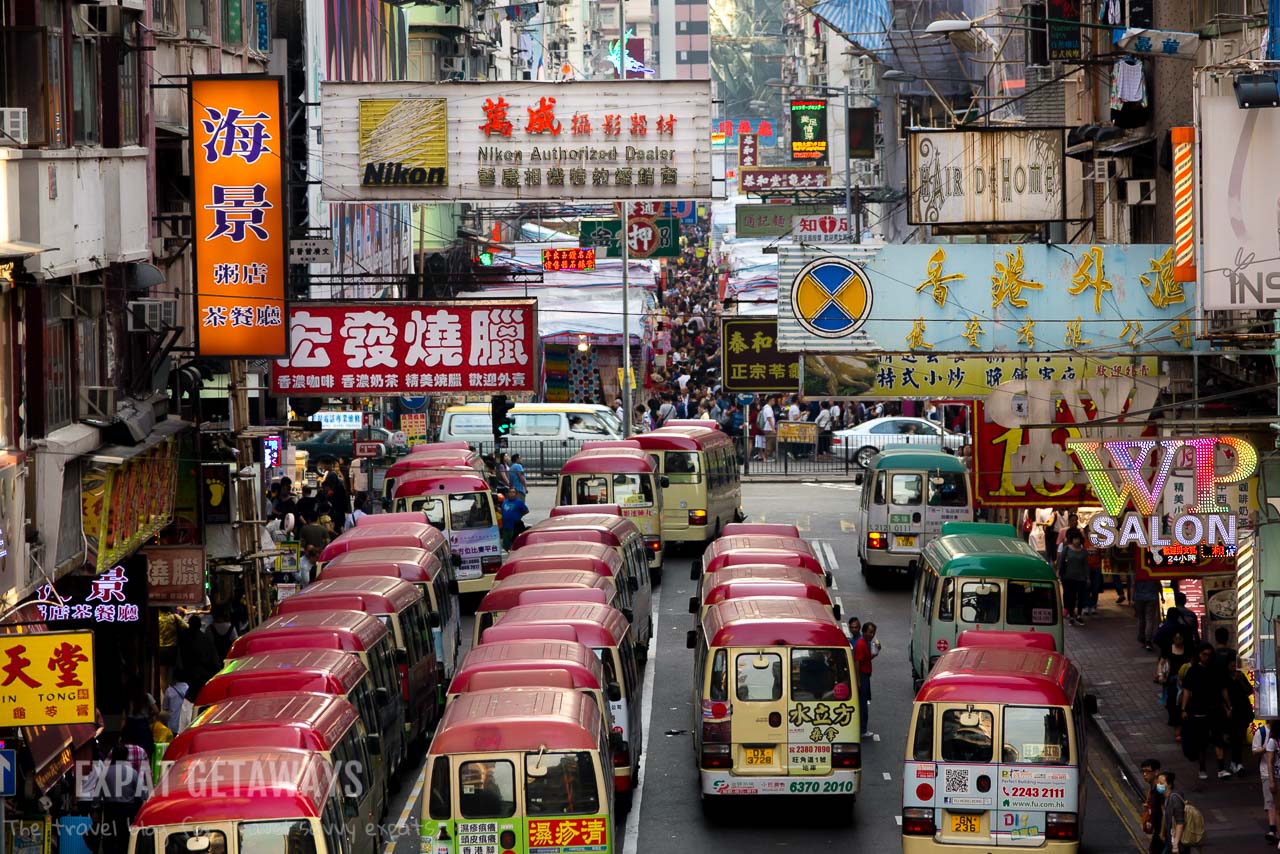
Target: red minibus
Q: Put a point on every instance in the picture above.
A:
(417, 534)
(769, 529)
(587, 509)
(506, 593)
(550, 659)
(719, 590)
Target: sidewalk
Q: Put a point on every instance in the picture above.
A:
(1120, 672)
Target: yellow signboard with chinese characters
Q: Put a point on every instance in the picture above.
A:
(750, 358)
(123, 506)
(46, 678)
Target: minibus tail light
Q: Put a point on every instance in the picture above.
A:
(918, 821)
(716, 755)
(846, 755)
(698, 517)
(1061, 826)
(490, 564)
(653, 544)
(877, 540)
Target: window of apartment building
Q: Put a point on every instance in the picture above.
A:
(260, 29)
(130, 93)
(84, 91)
(31, 75)
(58, 352)
(164, 16)
(422, 57)
(70, 541)
(197, 19)
(232, 22)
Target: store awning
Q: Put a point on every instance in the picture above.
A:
(22, 249)
(1126, 145)
(115, 455)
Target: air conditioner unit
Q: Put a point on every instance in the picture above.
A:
(1105, 168)
(451, 65)
(13, 126)
(152, 315)
(1140, 191)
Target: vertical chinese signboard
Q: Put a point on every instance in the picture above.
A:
(122, 506)
(48, 679)
(751, 359)
(239, 193)
(1064, 29)
(809, 131)
(175, 575)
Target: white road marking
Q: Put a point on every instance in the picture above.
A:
(888, 776)
(876, 737)
(898, 820)
(828, 557)
(631, 837)
(411, 802)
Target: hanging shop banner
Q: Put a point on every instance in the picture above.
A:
(123, 506)
(238, 166)
(762, 178)
(216, 495)
(821, 229)
(728, 131)
(748, 150)
(979, 177)
(966, 377)
(1239, 185)
(809, 130)
(414, 427)
(862, 132)
(975, 299)
(646, 237)
(773, 220)
(175, 575)
(750, 360)
(1017, 464)
(538, 141)
(48, 679)
(571, 258)
(1159, 42)
(1064, 29)
(408, 348)
(109, 598)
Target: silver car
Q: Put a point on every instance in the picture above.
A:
(870, 437)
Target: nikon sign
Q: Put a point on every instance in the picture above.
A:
(501, 142)
(980, 177)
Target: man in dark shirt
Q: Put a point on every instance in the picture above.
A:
(1153, 814)
(1205, 706)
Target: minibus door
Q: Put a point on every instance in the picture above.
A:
(906, 512)
(488, 812)
(947, 499)
(1039, 793)
(758, 728)
(964, 785)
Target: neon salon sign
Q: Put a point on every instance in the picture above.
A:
(1205, 520)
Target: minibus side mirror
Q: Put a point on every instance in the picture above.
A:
(664, 481)
(634, 583)
(613, 692)
(695, 570)
(453, 586)
(616, 744)
(693, 604)
(827, 576)
(374, 742)
(456, 560)
(1090, 704)
(433, 620)
(629, 614)
(835, 611)
(691, 639)
(381, 696)
(857, 479)
(401, 656)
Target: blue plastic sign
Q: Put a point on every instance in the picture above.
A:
(8, 773)
(413, 402)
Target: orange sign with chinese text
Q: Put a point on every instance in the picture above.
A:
(238, 150)
(570, 834)
(46, 679)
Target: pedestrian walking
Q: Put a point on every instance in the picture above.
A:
(513, 512)
(1153, 807)
(516, 474)
(1205, 706)
(1073, 569)
(1264, 750)
(1240, 701)
(1174, 819)
(864, 651)
(1147, 594)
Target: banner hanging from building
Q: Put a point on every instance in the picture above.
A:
(1239, 185)
(772, 220)
(980, 177)
(750, 361)
(1064, 29)
(48, 679)
(537, 141)
(408, 348)
(175, 575)
(809, 130)
(239, 191)
(123, 506)
(972, 299)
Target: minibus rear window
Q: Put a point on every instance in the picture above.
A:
(470, 510)
(759, 676)
(922, 740)
(720, 676)
(606, 659)
(432, 507)
(818, 673)
(488, 789)
(560, 784)
(905, 490)
(1035, 735)
(947, 489)
(979, 602)
(1032, 603)
(176, 843)
(439, 797)
(633, 490)
(966, 735)
(591, 490)
(276, 837)
(145, 841)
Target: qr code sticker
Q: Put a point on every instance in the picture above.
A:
(957, 781)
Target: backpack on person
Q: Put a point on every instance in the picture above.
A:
(760, 422)
(1192, 825)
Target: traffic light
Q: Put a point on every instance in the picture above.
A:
(485, 259)
(502, 422)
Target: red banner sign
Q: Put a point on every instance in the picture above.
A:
(369, 449)
(571, 258)
(175, 575)
(408, 348)
(784, 178)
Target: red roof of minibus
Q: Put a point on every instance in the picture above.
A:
(771, 621)
(239, 785)
(769, 529)
(1001, 674)
(368, 520)
(586, 510)
(610, 443)
(703, 423)
(609, 461)
(390, 535)
(416, 566)
(593, 624)
(418, 483)
(550, 677)
(570, 656)
(682, 439)
(324, 671)
(504, 720)
(744, 588)
(379, 595)
(345, 631)
(756, 541)
(762, 572)
(589, 527)
(1011, 640)
(786, 557)
(505, 594)
(299, 721)
(589, 557)
(427, 447)
(498, 633)
(447, 462)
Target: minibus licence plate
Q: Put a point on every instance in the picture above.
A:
(964, 824)
(759, 755)
(906, 541)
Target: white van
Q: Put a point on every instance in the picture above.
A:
(545, 434)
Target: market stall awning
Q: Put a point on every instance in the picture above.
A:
(115, 455)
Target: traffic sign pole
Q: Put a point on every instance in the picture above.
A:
(626, 312)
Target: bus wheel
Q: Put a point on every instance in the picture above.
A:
(712, 809)
(624, 803)
(845, 812)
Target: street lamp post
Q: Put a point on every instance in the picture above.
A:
(827, 92)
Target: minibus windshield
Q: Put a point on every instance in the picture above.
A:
(633, 489)
(947, 489)
(487, 789)
(276, 837)
(176, 843)
(560, 784)
(469, 510)
(815, 673)
(1032, 603)
(1035, 735)
(905, 489)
